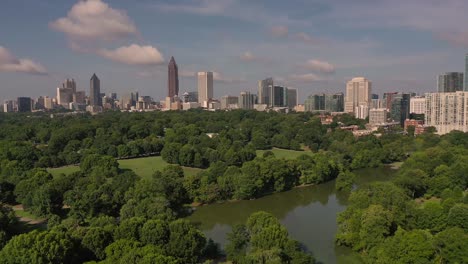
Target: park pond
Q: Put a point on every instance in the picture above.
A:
(309, 213)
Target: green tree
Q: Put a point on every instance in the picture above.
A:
(458, 216)
(451, 245)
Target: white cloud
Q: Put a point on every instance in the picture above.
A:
(304, 37)
(319, 66)
(9, 63)
(221, 78)
(434, 16)
(309, 77)
(201, 7)
(134, 55)
(95, 20)
(92, 23)
(248, 57)
(279, 31)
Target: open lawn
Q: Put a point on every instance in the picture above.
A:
(285, 153)
(143, 167)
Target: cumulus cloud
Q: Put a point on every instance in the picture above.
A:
(90, 24)
(309, 77)
(279, 31)
(134, 55)
(319, 66)
(9, 63)
(95, 20)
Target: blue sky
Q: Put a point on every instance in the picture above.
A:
(312, 45)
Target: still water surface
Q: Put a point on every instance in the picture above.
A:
(309, 214)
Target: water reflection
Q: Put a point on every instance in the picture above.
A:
(309, 214)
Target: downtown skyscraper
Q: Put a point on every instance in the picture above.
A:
(358, 94)
(450, 82)
(172, 79)
(205, 88)
(265, 88)
(95, 91)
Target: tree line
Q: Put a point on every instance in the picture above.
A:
(421, 216)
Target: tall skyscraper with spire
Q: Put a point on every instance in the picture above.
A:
(95, 91)
(172, 79)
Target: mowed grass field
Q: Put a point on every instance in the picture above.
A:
(145, 167)
(285, 153)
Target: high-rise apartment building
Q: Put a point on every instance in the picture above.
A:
(172, 78)
(466, 74)
(450, 82)
(95, 98)
(265, 88)
(229, 102)
(291, 98)
(24, 104)
(247, 100)
(447, 111)
(205, 88)
(358, 93)
(417, 105)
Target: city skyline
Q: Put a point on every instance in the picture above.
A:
(313, 53)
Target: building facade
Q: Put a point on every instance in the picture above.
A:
(334, 102)
(279, 96)
(417, 105)
(315, 103)
(378, 116)
(229, 102)
(172, 78)
(466, 74)
(292, 97)
(9, 106)
(450, 82)
(400, 108)
(95, 98)
(190, 97)
(447, 111)
(264, 91)
(361, 111)
(24, 104)
(358, 93)
(205, 88)
(247, 100)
